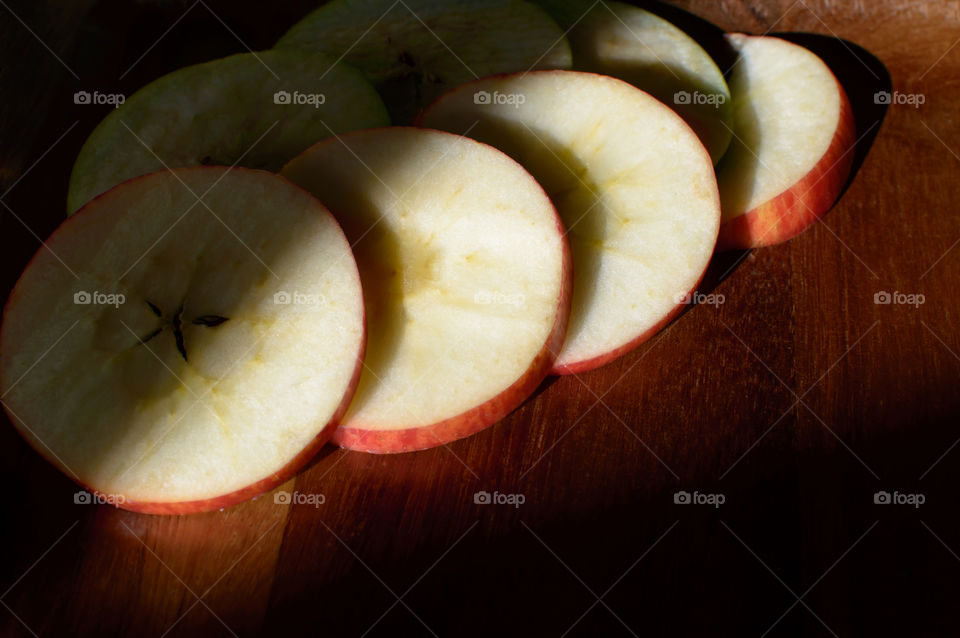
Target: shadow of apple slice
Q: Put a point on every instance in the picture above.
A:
(257, 110)
(415, 50)
(629, 43)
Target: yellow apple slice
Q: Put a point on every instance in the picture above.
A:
(466, 277)
(793, 144)
(177, 355)
(633, 184)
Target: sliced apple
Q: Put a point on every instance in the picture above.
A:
(466, 275)
(793, 144)
(649, 52)
(176, 355)
(415, 50)
(255, 109)
(631, 181)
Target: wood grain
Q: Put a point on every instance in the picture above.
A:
(797, 399)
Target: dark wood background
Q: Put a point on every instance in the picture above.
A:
(797, 399)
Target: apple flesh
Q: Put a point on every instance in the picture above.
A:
(631, 181)
(415, 50)
(629, 43)
(258, 110)
(466, 277)
(201, 353)
(793, 145)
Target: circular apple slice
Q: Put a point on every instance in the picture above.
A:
(793, 149)
(417, 49)
(255, 109)
(177, 355)
(466, 276)
(632, 182)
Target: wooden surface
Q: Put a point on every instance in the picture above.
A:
(797, 399)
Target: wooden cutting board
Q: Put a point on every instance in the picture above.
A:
(797, 399)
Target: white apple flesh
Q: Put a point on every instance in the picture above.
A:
(466, 277)
(793, 146)
(257, 110)
(633, 184)
(181, 356)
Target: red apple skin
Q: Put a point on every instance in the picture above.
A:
(361, 439)
(204, 505)
(800, 206)
(586, 365)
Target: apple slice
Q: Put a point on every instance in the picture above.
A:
(466, 275)
(415, 50)
(255, 109)
(178, 356)
(652, 54)
(631, 181)
(793, 144)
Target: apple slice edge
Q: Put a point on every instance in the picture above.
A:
(246, 493)
(802, 204)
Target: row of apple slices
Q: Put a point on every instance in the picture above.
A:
(785, 112)
(239, 340)
(781, 134)
(190, 338)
